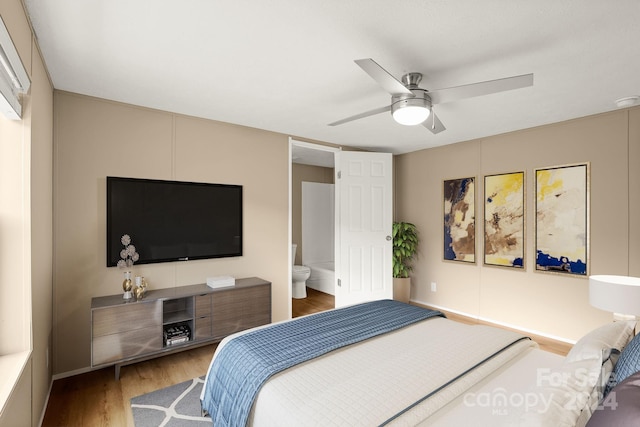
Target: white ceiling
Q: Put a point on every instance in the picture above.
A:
(287, 65)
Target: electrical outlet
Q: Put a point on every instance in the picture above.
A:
(434, 287)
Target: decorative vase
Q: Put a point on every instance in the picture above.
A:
(140, 288)
(401, 289)
(127, 285)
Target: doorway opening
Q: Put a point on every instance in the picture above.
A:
(311, 176)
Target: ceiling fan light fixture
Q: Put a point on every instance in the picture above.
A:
(410, 111)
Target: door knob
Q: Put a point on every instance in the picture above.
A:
(388, 238)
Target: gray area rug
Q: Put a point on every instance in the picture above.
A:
(174, 406)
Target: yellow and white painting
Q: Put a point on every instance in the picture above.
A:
(504, 220)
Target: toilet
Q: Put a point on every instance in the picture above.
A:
(299, 276)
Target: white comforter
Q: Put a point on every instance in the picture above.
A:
(370, 382)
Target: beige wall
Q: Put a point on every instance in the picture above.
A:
(41, 234)
(550, 304)
(26, 231)
(634, 193)
(96, 138)
(301, 173)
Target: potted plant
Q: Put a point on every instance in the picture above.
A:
(405, 246)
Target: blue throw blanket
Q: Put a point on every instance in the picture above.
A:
(247, 361)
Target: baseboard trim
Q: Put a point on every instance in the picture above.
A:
(496, 322)
(72, 373)
(46, 403)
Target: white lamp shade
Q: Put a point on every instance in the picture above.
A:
(619, 294)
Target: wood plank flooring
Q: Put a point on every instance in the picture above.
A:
(97, 399)
(315, 302)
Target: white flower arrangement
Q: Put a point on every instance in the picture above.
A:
(128, 254)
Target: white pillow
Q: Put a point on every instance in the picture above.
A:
(567, 396)
(563, 394)
(612, 335)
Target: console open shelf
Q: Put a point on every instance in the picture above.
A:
(177, 310)
(127, 332)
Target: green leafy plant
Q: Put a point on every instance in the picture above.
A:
(405, 246)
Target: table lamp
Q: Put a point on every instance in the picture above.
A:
(619, 294)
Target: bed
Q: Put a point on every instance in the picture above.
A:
(390, 363)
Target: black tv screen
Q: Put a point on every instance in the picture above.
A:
(173, 220)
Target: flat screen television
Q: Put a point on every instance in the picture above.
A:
(173, 220)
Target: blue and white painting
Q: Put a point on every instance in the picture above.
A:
(562, 219)
(459, 220)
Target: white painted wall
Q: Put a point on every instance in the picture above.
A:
(318, 218)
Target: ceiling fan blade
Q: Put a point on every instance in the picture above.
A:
(441, 96)
(382, 76)
(362, 115)
(433, 123)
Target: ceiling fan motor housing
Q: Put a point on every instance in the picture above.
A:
(419, 100)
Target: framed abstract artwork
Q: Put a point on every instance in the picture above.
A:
(459, 220)
(562, 219)
(504, 220)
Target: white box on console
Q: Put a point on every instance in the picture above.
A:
(221, 281)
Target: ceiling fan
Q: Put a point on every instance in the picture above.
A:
(412, 105)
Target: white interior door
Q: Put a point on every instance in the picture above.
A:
(363, 227)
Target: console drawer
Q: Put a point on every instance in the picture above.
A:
(116, 347)
(116, 319)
